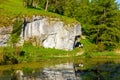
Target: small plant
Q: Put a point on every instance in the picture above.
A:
(101, 47)
(17, 27)
(90, 50)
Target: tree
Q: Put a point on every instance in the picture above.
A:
(31, 3)
(99, 18)
(103, 26)
(46, 6)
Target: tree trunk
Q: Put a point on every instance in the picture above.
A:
(46, 6)
(55, 6)
(31, 4)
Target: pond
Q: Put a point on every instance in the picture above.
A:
(77, 69)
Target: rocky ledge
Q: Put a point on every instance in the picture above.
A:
(46, 32)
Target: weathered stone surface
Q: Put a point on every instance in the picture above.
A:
(46, 32)
(50, 33)
(4, 35)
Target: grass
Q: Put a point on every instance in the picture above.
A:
(10, 9)
(39, 57)
(91, 50)
(38, 53)
(29, 53)
(32, 53)
(51, 62)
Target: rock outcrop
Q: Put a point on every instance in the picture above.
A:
(46, 32)
(4, 35)
(50, 33)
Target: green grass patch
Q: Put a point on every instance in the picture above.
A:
(38, 53)
(29, 53)
(91, 50)
(9, 9)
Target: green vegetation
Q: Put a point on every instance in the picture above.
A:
(95, 51)
(10, 9)
(17, 27)
(99, 20)
(104, 29)
(28, 53)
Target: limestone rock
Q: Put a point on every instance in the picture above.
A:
(50, 33)
(46, 32)
(4, 35)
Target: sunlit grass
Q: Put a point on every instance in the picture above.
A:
(46, 53)
(9, 9)
(91, 50)
(32, 53)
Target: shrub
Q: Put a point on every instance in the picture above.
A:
(90, 50)
(17, 27)
(100, 47)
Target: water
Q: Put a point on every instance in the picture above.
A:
(93, 69)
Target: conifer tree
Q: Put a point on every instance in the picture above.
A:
(103, 27)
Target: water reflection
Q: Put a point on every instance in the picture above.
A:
(58, 72)
(106, 71)
(68, 71)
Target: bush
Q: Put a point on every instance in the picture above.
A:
(14, 60)
(90, 50)
(17, 27)
(10, 55)
(100, 47)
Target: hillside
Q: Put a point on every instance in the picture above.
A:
(9, 9)
(99, 21)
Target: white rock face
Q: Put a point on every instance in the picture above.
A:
(4, 35)
(50, 33)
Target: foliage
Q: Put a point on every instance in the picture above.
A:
(92, 50)
(8, 56)
(11, 52)
(102, 23)
(104, 18)
(30, 3)
(99, 20)
(100, 47)
(17, 27)
(11, 8)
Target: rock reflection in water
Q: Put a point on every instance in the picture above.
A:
(70, 71)
(58, 72)
(64, 71)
